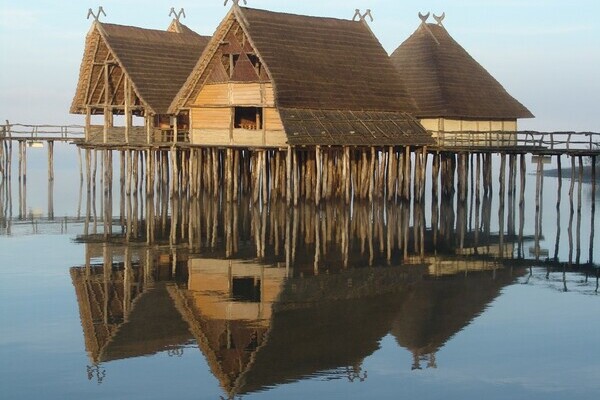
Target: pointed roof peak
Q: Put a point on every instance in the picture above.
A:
(447, 82)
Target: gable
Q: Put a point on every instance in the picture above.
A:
(157, 64)
(91, 88)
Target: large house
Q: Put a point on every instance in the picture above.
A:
(269, 79)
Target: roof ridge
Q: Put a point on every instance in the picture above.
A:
(296, 15)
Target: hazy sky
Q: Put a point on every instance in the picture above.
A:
(546, 53)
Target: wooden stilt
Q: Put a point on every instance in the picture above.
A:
(319, 172)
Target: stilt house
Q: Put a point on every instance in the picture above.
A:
(132, 71)
(458, 100)
(269, 80)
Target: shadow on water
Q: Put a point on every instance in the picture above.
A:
(272, 294)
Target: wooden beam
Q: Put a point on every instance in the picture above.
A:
(128, 121)
(89, 100)
(106, 99)
(114, 94)
(87, 88)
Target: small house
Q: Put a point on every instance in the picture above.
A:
(459, 101)
(270, 79)
(129, 71)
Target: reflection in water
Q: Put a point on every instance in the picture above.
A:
(272, 294)
(259, 324)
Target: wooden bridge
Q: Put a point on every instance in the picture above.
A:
(533, 142)
(42, 133)
(527, 141)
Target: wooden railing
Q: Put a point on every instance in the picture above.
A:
(41, 132)
(589, 141)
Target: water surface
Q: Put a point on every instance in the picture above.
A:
(246, 301)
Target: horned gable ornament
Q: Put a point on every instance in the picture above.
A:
(177, 15)
(235, 2)
(97, 14)
(362, 17)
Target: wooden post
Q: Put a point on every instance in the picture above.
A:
(319, 172)
(107, 112)
(423, 173)
(296, 178)
(502, 198)
(593, 212)
(175, 129)
(149, 120)
(372, 174)
(88, 123)
(288, 175)
(407, 173)
(265, 185)
(50, 161)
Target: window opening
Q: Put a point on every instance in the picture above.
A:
(246, 290)
(255, 63)
(248, 118)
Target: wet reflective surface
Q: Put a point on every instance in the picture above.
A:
(196, 297)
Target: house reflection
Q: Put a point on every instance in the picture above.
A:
(261, 324)
(273, 295)
(124, 305)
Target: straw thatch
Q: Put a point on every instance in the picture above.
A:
(156, 62)
(318, 65)
(447, 82)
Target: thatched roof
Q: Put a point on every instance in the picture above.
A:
(447, 82)
(157, 62)
(319, 64)
(325, 63)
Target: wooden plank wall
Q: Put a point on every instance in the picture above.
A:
(212, 113)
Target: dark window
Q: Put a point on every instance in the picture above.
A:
(255, 63)
(248, 118)
(246, 290)
(229, 61)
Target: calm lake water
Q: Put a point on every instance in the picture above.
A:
(243, 301)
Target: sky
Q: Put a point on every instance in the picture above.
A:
(546, 53)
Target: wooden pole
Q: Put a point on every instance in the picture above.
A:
(51, 161)
(319, 171)
(406, 173)
(502, 198)
(296, 184)
(593, 211)
(265, 187)
(288, 176)
(371, 174)
(558, 200)
(106, 103)
(88, 124)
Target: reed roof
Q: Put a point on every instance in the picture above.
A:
(325, 63)
(157, 62)
(447, 82)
